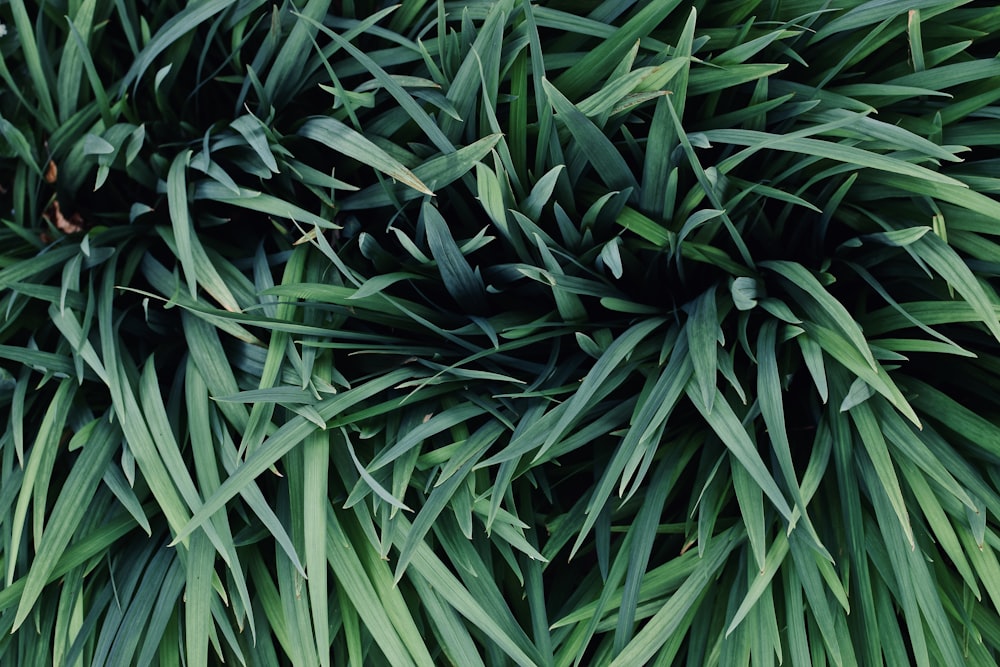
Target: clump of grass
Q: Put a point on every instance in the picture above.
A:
(499, 333)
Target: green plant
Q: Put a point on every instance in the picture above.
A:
(568, 333)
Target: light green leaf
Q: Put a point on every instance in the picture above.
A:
(332, 133)
(438, 171)
(253, 131)
(180, 219)
(762, 581)
(953, 269)
(846, 354)
(702, 331)
(850, 155)
(859, 392)
(284, 439)
(198, 599)
(878, 453)
(660, 627)
(74, 499)
(727, 426)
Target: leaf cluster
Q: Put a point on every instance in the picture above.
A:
(470, 333)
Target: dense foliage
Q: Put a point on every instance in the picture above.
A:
(481, 333)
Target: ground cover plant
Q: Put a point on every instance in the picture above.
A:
(483, 333)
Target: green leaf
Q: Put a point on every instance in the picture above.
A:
(38, 470)
(251, 128)
(878, 453)
(348, 568)
(658, 629)
(950, 266)
(254, 200)
(17, 141)
(283, 440)
(332, 133)
(846, 354)
(169, 34)
(180, 218)
(395, 85)
(606, 160)
(751, 503)
(458, 277)
(900, 237)
(745, 292)
(33, 60)
(867, 13)
(95, 145)
(807, 282)
(609, 361)
(600, 61)
(372, 483)
(437, 574)
(859, 392)
(727, 426)
(850, 155)
(762, 580)
(702, 331)
(541, 192)
(197, 598)
(290, 63)
(77, 493)
(438, 171)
